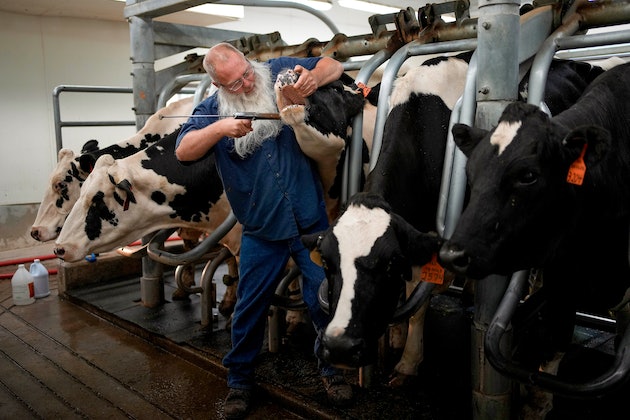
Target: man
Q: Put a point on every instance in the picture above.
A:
(274, 192)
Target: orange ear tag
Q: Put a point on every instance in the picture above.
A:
(365, 89)
(432, 271)
(577, 169)
(316, 257)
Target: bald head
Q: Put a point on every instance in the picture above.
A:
(220, 57)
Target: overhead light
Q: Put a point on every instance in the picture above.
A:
(219, 10)
(226, 10)
(368, 7)
(315, 4)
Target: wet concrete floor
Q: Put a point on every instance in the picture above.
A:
(98, 353)
(59, 361)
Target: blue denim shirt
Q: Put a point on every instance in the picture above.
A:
(275, 193)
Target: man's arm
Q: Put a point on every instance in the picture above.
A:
(196, 143)
(326, 70)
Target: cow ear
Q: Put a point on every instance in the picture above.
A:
(418, 246)
(467, 137)
(596, 138)
(86, 162)
(90, 146)
(65, 154)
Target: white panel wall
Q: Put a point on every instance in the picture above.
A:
(39, 54)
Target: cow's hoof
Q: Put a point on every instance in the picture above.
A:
(398, 380)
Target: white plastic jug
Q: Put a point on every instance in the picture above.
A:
(40, 279)
(22, 286)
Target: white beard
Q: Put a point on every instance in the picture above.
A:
(261, 99)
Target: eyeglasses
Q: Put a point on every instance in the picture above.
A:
(234, 86)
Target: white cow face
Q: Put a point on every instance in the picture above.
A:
(368, 254)
(113, 208)
(59, 197)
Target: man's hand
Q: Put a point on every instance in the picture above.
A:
(231, 127)
(306, 84)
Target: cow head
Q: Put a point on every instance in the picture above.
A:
(522, 200)
(62, 192)
(322, 126)
(71, 170)
(368, 254)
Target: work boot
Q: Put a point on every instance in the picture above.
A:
(338, 390)
(237, 403)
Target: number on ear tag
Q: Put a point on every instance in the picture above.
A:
(577, 169)
(432, 272)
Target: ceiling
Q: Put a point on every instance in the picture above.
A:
(97, 9)
(113, 10)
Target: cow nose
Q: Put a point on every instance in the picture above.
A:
(343, 351)
(59, 252)
(35, 234)
(454, 258)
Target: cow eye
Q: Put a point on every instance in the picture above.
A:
(528, 178)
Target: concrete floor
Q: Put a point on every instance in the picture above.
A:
(97, 353)
(59, 361)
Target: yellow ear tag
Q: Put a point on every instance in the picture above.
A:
(316, 257)
(577, 169)
(432, 272)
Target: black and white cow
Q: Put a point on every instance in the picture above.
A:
(323, 126)
(125, 199)
(552, 194)
(67, 178)
(407, 177)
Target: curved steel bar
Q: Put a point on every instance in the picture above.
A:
(615, 376)
(196, 253)
(418, 47)
(416, 299)
(207, 295)
(179, 272)
(354, 165)
(176, 85)
(294, 5)
(281, 300)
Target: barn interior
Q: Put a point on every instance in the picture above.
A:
(456, 381)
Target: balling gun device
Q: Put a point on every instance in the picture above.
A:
(239, 116)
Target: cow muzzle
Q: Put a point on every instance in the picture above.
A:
(346, 352)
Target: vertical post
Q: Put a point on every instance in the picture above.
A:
(497, 85)
(145, 102)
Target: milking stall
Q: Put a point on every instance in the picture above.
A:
(137, 326)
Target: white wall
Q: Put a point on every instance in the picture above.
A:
(39, 54)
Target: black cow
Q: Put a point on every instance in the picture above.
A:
(407, 177)
(552, 194)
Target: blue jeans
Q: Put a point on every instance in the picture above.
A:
(261, 265)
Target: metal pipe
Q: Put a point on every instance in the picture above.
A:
(194, 254)
(611, 379)
(284, 4)
(354, 157)
(391, 70)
